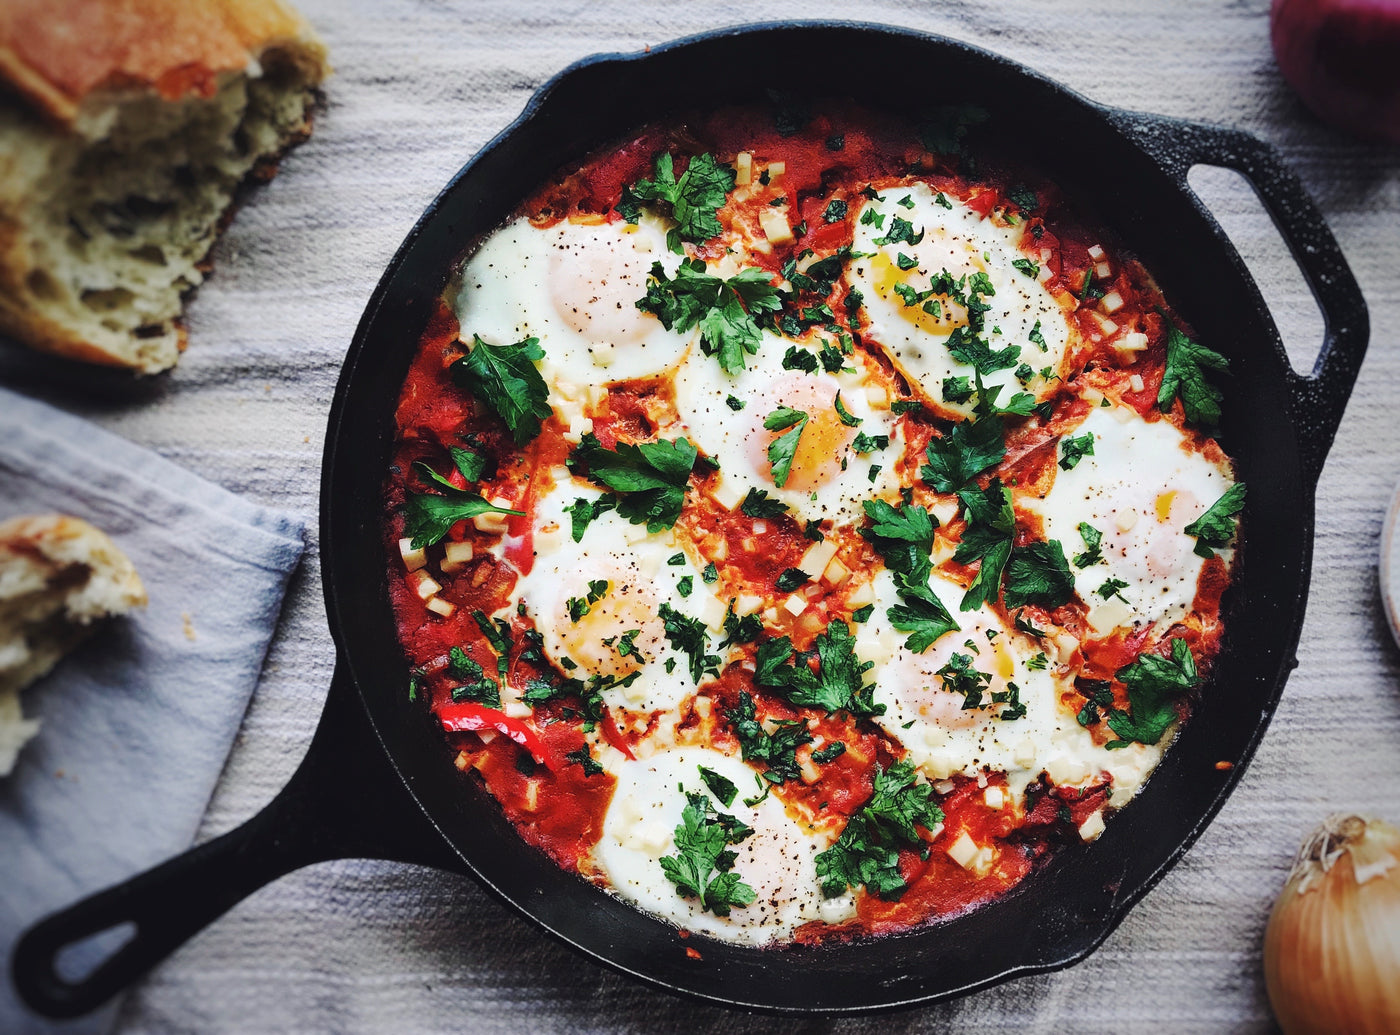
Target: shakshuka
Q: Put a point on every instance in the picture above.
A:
(802, 525)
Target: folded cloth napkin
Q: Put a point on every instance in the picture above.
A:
(138, 721)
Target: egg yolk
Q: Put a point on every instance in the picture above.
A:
(596, 275)
(817, 459)
(620, 633)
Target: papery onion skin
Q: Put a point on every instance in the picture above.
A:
(1343, 59)
(1332, 950)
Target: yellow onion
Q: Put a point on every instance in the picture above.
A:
(1332, 947)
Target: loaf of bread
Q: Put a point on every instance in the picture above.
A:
(126, 129)
(58, 577)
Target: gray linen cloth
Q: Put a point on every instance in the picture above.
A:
(138, 721)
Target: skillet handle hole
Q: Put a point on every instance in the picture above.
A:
(76, 961)
(1233, 202)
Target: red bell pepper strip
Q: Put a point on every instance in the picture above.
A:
(614, 736)
(457, 718)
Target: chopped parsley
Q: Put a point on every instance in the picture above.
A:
(900, 231)
(687, 635)
(867, 852)
(1072, 450)
(584, 757)
(778, 751)
(740, 630)
(504, 378)
(967, 450)
(791, 578)
(703, 866)
(734, 404)
(799, 359)
(685, 585)
(1113, 588)
(864, 444)
(961, 677)
(845, 415)
(1023, 198)
(830, 753)
(1027, 266)
(720, 786)
(1216, 527)
(758, 504)
(1037, 338)
(1093, 540)
(472, 466)
(475, 685)
(694, 200)
(837, 684)
(957, 389)
(497, 633)
(649, 477)
(583, 512)
(1097, 693)
(724, 310)
(580, 606)
(903, 536)
(835, 211)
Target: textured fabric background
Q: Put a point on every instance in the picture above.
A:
(364, 946)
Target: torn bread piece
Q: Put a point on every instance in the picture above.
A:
(58, 577)
(126, 129)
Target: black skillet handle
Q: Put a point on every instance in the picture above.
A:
(1318, 399)
(344, 801)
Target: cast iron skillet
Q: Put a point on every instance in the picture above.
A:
(377, 780)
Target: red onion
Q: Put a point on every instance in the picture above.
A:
(1343, 58)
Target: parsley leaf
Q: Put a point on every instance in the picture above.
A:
(504, 377)
(1027, 266)
(1023, 198)
(724, 310)
(688, 636)
(1072, 450)
(777, 751)
(799, 359)
(965, 346)
(703, 864)
(830, 753)
(476, 685)
(970, 448)
(740, 630)
(694, 199)
(651, 477)
(957, 389)
(428, 519)
(845, 415)
(960, 676)
(901, 230)
(584, 758)
(1216, 526)
(1093, 540)
(758, 504)
(584, 512)
(1185, 378)
(1038, 574)
(783, 448)
(922, 614)
(838, 682)
(1153, 682)
(720, 786)
(991, 524)
(471, 464)
(867, 852)
(497, 633)
(791, 578)
(835, 211)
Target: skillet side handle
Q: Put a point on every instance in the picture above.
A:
(344, 801)
(1320, 398)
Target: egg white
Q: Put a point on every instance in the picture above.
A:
(777, 860)
(575, 287)
(943, 739)
(640, 579)
(963, 242)
(1140, 488)
(828, 478)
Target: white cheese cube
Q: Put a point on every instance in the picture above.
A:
(963, 851)
(795, 605)
(814, 561)
(994, 797)
(456, 556)
(775, 226)
(444, 608)
(1111, 302)
(1092, 827)
(743, 169)
(424, 585)
(412, 559)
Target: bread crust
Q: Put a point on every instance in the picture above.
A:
(58, 52)
(60, 539)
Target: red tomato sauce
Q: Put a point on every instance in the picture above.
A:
(557, 805)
